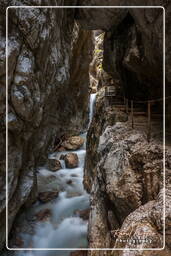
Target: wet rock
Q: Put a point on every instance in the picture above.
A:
(69, 182)
(47, 182)
(54, 164)
(73, 143)
(45, 197)
(93, 90)
(74, 175)
(83, 214)
(43, 215)
(62, 157)
(71, 160)
(61, 149)
(19, 242)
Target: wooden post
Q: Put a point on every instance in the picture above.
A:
(149, 122)
(132, 113)
(127, 106)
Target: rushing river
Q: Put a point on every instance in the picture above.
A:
(65, 229)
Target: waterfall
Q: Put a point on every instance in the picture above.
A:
(92, 102)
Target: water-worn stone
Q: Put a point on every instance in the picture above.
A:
(62, 157)
(71, 160)
(83, 214)
(73, 143)
(69, 182)
(54, 164)
(19, 242)
(47, 196)
(43, 215)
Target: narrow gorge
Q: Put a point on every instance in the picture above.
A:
(88, 116)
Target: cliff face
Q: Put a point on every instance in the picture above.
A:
(126, 189)
(43, 46)
(124, 173)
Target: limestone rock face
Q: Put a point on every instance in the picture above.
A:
(128, 174)
(42, 55)
(103, 18)
(147, 223)
(124, 173)
(108, 117)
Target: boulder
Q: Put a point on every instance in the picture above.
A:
(69, 182)
(54, 164)
(45, 197)
(71, 160)
(73, 143)
(74, 175)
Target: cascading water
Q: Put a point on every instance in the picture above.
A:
(92, 101)
(65, 229)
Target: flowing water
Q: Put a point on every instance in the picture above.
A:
(65, 229)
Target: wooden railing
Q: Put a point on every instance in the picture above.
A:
(130, 104)
(149, 103)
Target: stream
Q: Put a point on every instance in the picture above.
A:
(65, 228)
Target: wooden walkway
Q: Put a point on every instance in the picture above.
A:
(143, 115)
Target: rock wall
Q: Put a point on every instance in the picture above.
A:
(124, 173)
(126, 188)
(47, 83)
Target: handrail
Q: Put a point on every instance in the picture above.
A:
(149, 111)
(146, 101)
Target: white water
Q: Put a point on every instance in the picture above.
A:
(92, 101)
(65, 229)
